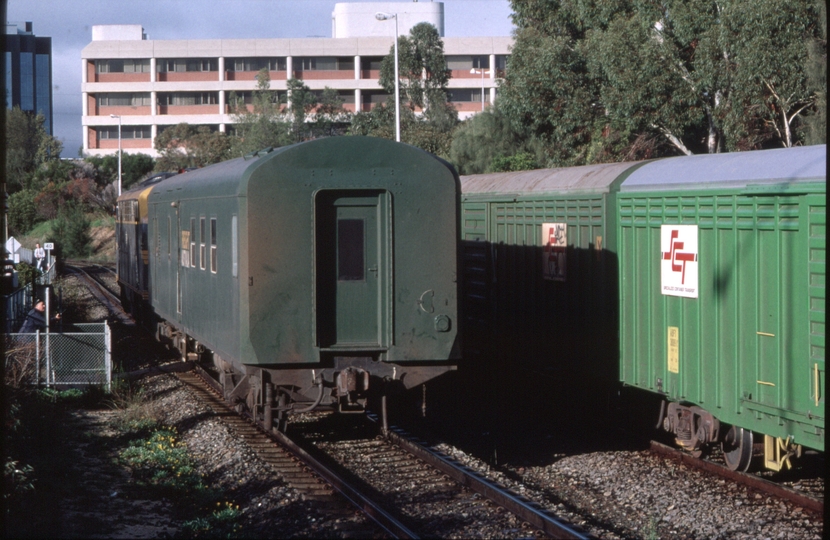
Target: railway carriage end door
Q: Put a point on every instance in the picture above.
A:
(350, 236)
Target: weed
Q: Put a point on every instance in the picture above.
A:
(223, 522)
(650, 530)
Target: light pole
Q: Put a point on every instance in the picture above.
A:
(474, 71)
(119, 151)
(383, 17)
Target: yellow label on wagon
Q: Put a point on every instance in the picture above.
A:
(674, 349)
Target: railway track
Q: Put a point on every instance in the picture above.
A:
(101, 291)
(749, 480)
(319, 475)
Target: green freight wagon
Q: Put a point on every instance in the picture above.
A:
(539, 264)
(722, 297)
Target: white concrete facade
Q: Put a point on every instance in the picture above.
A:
(151, 84)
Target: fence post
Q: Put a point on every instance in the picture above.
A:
(37, 361)
(108, 355)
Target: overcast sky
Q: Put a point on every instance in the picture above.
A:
(69, 24)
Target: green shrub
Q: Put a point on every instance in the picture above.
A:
(22, 212)
(70, 233)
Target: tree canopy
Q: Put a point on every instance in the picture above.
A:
(601, 80)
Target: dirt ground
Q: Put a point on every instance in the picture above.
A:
(80, 489)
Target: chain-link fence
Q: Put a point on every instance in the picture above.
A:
(80, 355)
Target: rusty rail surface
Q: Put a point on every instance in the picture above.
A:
(749, 480)
(516, 504)
(254, 433)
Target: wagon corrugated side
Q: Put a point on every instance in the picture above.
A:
(745, 342)
(541, 307)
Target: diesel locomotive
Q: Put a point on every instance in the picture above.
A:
(309, 276)
(698, 279)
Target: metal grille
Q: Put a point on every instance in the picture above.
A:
(78, 356)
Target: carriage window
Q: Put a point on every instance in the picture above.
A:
(193, 242)
(202, 260)
(213, 245)
(350, 250)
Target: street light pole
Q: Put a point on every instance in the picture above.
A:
(383, 17)
(119, 151)
(474, 71)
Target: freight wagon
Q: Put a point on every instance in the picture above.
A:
(699, 279)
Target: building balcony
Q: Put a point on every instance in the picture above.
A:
(251, 75)
(188, 109)
(120, 77)
(187, 76)
(324, 74)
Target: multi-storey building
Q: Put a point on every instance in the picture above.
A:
(148, 85)
(29, 72)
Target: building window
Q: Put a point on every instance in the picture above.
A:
(127, 132)
(139, 65)
(255, 64)
(323, 63)
(371, 63)
(466, 63)
(465, 95)
(213, 263)
(238, 98)
(193, 242)
(137, 99)
(202, 261)
(181, 65)
(189, 98)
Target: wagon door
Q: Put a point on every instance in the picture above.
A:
(351, 235)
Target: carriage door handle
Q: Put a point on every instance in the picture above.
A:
(374, 270)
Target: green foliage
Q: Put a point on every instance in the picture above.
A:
(161, 460)
(486, 137)
(223, 522)
(182, 146)
(301, 101)
(517, 162)
(424, 74)
(261, 125)
(26, 273)
(22, 214)
(27, 147)
(134, 167)
(816, 68)
(70, 233)
(421, 65)
(594, 81)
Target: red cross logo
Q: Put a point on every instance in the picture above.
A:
(678, 259)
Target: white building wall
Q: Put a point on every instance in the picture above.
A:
(223, 50)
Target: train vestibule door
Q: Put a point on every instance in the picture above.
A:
(350, 237)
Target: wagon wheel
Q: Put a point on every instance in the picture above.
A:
(737, 448)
